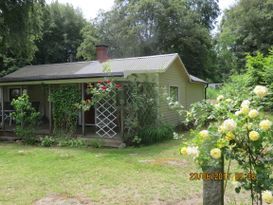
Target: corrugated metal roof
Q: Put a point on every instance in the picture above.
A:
(119, 67)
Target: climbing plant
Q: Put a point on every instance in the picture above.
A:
(65, 112)
(140, 109)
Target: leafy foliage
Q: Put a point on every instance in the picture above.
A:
(48, 141)
(239, 132)
(154, 134)
(245, 28)
(147, 27)
(65, 112)
(61, 34)
(86, 49)
(26, 118)
(140, 109)
(20, 27)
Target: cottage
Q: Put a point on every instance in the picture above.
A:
(166, 71)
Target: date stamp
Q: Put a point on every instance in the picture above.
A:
(218, 176)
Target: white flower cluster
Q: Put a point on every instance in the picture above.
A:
(260, 91)
(227, 126)
(267, 197)
(190, 150)
(252, 113)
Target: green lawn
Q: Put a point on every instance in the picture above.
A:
(147, 175)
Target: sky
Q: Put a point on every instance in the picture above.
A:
(90, 8)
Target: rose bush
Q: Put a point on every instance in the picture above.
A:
(99, 90)
(239, 131)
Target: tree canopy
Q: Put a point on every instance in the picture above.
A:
(147, 27)
(61, 34)
(20, 26)
(56, 33)
(247, 27)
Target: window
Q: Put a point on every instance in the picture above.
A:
(174, 93)
(14, 93)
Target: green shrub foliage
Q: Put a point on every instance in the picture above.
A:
(140, 109)
(65, 111)
(155, 134)
(26, 118)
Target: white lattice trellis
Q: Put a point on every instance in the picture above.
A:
(106, 116)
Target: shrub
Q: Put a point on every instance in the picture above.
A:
(48, 141)
(71, 142)
(199, 114)
(155, 134)
(212, 93)
(241, 133)
(26, 119)
(140, 109)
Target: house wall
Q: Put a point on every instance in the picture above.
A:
(195, 93)
(187, 92)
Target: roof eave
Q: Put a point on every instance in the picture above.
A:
(62, 77)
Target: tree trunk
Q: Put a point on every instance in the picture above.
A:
(213, 189)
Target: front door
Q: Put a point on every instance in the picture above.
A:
(90, 114)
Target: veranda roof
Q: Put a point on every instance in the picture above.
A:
(88, 69)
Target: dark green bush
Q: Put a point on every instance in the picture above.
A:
(155, 134)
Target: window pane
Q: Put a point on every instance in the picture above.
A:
(174, 93)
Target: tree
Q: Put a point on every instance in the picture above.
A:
(61, 34)
(147, 27)
(87, 50)
(245, 28)
(20, 26)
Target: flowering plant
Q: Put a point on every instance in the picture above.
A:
(240, 133)
(99, 90)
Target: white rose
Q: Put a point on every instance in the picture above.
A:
(192, 150)
(229, 125)
(253, 113)
(245, 103)
(220, 97)
(260, 91)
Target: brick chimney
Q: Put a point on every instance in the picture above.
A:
(102, 53)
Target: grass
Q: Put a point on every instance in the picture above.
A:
(147, 175)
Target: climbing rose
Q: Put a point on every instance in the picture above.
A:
(183, 151)
(118, 85)
(229, 136)
(238, 112)
(191, 150)
(265, 125)
(103, 87)
(204, 134)
(215, 153)
(260, 91)
(228, 125)
(245, 110)
(267, 197)
(245, 103)
(254, 136)
(253, 113)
